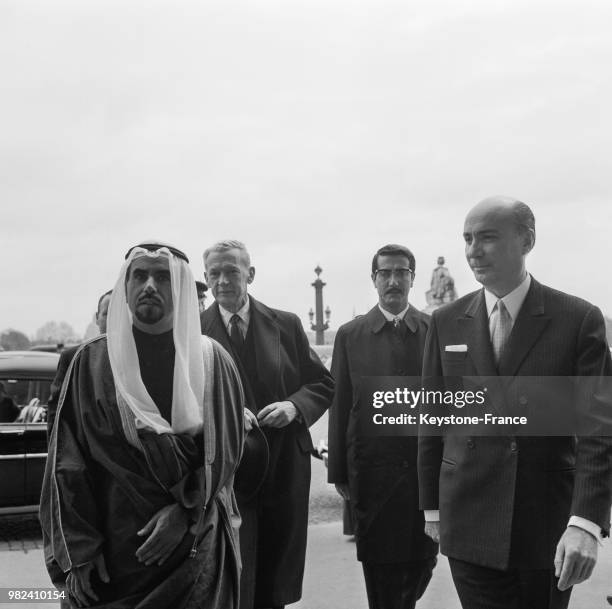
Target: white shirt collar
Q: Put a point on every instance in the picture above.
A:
(512, 301)
(244, 313)
(390, 316)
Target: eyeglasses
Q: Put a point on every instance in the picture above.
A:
(388, 273)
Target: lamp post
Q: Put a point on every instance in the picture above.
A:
(319, 326)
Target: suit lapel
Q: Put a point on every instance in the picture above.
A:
(475, 331)
(474, 328)
(212, 325)
(528, 327)
(266, 337)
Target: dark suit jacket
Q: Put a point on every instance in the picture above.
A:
(381, 471)
(291, 370)
(505, 501)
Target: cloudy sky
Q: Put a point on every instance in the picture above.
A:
(314, 131)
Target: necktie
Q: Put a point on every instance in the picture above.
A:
(500, 326)
(235, 333)
(398, 328)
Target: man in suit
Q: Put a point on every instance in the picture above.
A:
(287, 389)
(518, 517)
(378, 474)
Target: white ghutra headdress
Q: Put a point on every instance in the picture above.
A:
(189, 377)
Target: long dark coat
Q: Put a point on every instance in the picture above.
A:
(291, 370)
(99, 490)
(505, 501)
(381, 471)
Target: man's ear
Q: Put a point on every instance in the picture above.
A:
(251, 274)
(528, 241)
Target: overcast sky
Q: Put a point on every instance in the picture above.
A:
(313, 131)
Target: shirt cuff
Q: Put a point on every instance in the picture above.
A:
(586, 525)
(432, 515)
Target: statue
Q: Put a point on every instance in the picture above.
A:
(442, 287)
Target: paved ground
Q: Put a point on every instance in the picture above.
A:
(19, 533)
(333, 578)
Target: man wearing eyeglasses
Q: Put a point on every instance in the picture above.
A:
(378, 475)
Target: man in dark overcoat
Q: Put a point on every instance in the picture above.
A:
(379, 474)
(66, 357)
(287, 389)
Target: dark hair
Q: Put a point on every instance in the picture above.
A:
(102, 298)
(523, 217)
(392, 249)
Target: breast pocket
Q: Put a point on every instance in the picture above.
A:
(453, 362)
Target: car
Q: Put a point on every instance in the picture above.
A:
(25, 385)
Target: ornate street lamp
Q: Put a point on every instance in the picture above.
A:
(319, 326)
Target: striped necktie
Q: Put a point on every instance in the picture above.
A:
(500, 326)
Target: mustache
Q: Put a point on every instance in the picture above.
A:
(149, 298)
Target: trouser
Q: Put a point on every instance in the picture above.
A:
(397, 585)
(483, 588)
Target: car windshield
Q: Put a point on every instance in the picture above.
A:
(24, 400)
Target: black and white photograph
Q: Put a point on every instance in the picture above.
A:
(306, 304)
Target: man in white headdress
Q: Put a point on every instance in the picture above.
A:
(137, 507)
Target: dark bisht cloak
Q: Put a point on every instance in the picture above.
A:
(105, 479)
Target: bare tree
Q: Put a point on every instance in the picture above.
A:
(53, 332)
(14, 340)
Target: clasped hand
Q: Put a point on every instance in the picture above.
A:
(277, 414)
(166, 530)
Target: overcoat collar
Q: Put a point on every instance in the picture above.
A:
(376, 320)
(212, 325)
(266, 337)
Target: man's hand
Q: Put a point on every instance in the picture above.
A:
(167, 528)
(343, 490)
(250, 420)
(79, 580)
(575, 557)
(432, 529)
(323, 451)
(277, 414)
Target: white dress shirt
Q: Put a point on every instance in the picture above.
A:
(391, 316)
(245, 316)
(513, 301)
